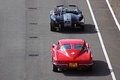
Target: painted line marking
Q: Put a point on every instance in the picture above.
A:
(112, 12)
(32, 55)
(32, 8)
(101, 41)
(33, 23)
(33, 37)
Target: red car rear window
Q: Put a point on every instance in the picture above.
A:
(65, 47)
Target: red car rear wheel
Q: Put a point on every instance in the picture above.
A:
(55, 69)
(90, 68)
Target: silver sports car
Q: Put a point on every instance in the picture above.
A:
(66, 17)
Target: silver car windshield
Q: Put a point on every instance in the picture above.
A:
(63, 10)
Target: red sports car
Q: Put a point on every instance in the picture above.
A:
(71, 54)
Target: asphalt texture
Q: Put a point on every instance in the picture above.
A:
(25, 40)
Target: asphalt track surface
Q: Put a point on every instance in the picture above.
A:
(25, 40)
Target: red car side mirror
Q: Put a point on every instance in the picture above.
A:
(87, 45)
(54, 46)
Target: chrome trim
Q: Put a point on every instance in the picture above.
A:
(60, 64)
(86, 64)
(78, 64)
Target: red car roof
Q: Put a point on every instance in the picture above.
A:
(71, 41)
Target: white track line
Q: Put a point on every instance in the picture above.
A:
(101, 41)
(112, 12)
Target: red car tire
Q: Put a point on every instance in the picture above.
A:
(55, 69)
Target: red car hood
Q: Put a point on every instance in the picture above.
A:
(69, 54)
